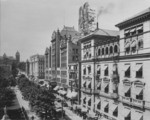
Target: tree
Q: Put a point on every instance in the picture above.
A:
(14, 69)
(41, 100)
(22, 66)
(6, 94)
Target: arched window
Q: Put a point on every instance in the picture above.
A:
(99, 51)
(111, 49)
(102, 51)
(106, 51)
(115, 49)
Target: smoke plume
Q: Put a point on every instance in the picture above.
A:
(105, 10)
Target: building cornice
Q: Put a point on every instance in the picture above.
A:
(134, 20)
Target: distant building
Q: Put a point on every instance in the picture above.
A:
(27, 67)
(87, 19)
(9, 60)
(17, 56)
(37, 66)
(47, 64)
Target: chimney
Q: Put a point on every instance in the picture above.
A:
(97, 26)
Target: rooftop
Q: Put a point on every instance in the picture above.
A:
(135, 17)
(102, 32)
(69, 31)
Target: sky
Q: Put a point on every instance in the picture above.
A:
(27, 25)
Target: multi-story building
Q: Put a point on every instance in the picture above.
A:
(9, 60)
(99, 52)
(114, 71)
(27, 69)
(67, 35)
(74, 67)
(37, 66)
(55, 57)
(134, 64)
(47, 64)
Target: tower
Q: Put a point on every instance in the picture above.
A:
(17, 56)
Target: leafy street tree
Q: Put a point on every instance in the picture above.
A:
(6, 80)
(41, 100)
(22, 66)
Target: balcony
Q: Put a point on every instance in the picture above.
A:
(126, 100)
(87, 78)
(114, 95)
(138, 103)
(87, 90)
(96, 92)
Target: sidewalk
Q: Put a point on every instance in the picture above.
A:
(25, 104)
(71, 114)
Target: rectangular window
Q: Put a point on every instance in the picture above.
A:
(84, 71)
(128, 93)
(99, 106)
(106, 89)
(89, 69)
(106, 109)
(115, 112)
(76, 51)
(127, 70)
(106, 72)
(89, 102)
(98, 69)
(139, 70)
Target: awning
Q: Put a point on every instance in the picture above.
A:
(97, 102)
(56, 88)
(139, 28)
(127, 45)
(59, 91)
(105, 67)
(104, 104)
(74, 107)
(105, 85)
(58, 110)
(83, 109)
(127, 31)
(61, 88)
(63, 92)
(126, 112)
(138, 91)
(133, 44)
(138, 67)
(91, 115)
(98, 67)
(115, 68)
(69, 103)
(68, 94)
(126, 88)
(126, 67)
(113, 107)
(74, 94)
(104, 118)
(98, 85)
(79, 106)
(84, 83)
(88, 83)
(88, 98)
(137, 116)
(132, 30)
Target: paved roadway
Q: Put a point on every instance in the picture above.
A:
(25, 104)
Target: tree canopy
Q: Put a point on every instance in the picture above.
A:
(41, 100)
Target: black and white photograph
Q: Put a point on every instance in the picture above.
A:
(74, 59)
